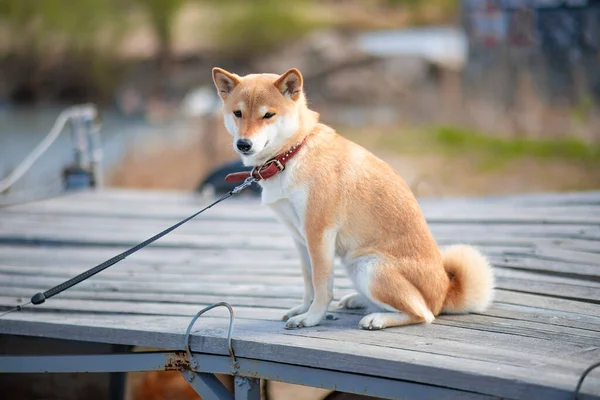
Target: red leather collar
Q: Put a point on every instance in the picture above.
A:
(269, 169)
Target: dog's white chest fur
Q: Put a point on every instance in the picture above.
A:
(287, 201)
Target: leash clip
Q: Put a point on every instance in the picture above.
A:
(249, 181)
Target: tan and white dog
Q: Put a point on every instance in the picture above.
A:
(339, 199)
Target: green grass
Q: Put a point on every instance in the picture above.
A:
(487, 151)
(497, 151)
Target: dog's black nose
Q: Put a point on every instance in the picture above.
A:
(244, 145)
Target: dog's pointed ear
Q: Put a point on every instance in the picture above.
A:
(290, 84)
(224, 81)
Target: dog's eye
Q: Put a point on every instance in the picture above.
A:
(237, 113)
(268, 115)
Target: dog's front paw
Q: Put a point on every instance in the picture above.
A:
(353, 301)
(304, 320)
(292, 312)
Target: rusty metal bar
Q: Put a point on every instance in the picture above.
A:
(256, 369)
(93, 363)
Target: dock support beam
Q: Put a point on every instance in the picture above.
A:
(247, 388)
(221, 364)
(207, 385)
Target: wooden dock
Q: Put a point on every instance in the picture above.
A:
(541, 333)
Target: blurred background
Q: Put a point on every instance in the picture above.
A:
(472, 97)
(462, 97)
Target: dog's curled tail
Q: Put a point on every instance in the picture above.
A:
(471, 279)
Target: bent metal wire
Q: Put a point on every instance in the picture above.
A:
(193, 362)
(41, 297)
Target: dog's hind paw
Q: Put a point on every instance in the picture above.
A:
(381, 320)
(373, 321)
(353, 301)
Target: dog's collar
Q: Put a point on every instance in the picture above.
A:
(269, 169)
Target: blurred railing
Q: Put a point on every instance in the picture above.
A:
(86, 169)
(533, 66)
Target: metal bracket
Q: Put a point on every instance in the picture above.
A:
(247, 388)
(207, 385)
(193, 362)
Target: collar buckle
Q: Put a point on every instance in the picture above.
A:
(278, 164)
(257, 170)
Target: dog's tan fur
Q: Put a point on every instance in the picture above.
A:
(338, 198)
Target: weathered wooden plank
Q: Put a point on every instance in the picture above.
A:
(159, 259)
(586, 314)
(199, 226)
(268, 239)
(547, 201)
(551, 317)
(500, 310)
(139, 226)
(515, 246)
(143, 308)
(72, 251)
(558, 290)
(514, 328)
(589, 232)
(137, 196)
(572, 256)
(557, 311)
(176, 273)
(570, 198)
(530, 201)
(435, 338)
(186, 287)
(546, 303)
(152, 255)
(552, 267)
(157, 278)
(206, 285)
(261, 337)
(466, 215)
(288, 275)
(543, 278)
(264, 231)
(129, 240)
(472, 345)
(192, 286)
(279, 302)
(201, 276)
(506, 279)
(241, 213)
(223, 269)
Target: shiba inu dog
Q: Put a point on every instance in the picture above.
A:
(337, 198)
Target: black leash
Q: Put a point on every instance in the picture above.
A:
(40, 298)
(581, 379)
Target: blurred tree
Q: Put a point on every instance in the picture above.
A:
(72, 24)
(83, 23)
(41, 35)
(162, 14)
(253, 26)
(87, 32)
